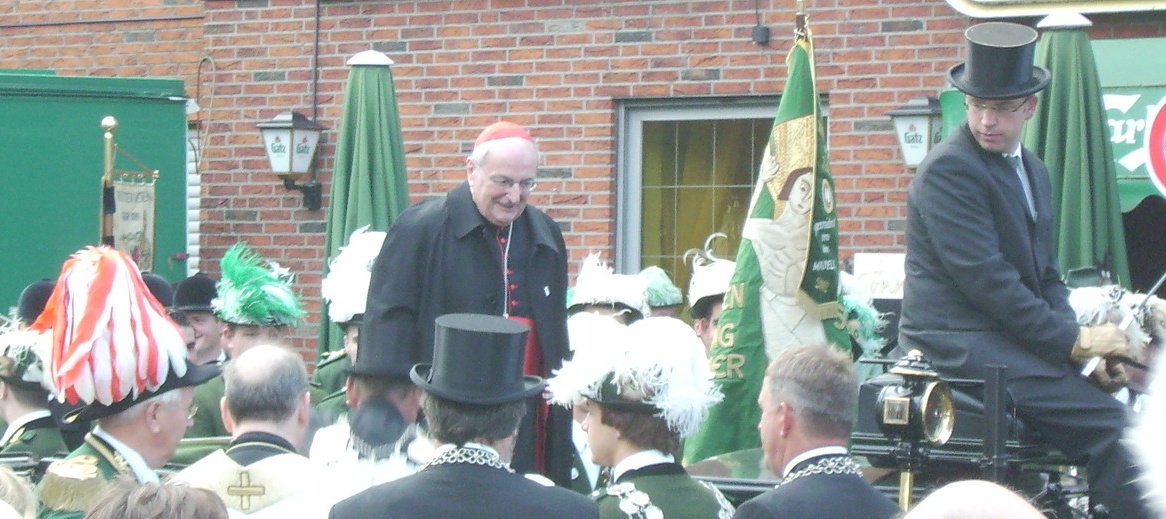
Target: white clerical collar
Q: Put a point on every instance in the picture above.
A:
(137, 463)
(640, 460)
(18, 423)
(812, 453)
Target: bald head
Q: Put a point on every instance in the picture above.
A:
(265, 383)
(974, 499)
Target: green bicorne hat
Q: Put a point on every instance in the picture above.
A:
(254, 293)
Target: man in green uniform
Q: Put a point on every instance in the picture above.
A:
(24, 399)
(193, 297)
(258, 305)
(141, 404)
(345, 288)
(642, 388)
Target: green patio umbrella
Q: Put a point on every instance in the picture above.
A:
(1070, 133)
(368, 178)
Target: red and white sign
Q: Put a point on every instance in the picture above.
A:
(1156, 148)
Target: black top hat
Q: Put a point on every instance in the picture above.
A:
(33, 299)
(195, 293)
(477, 359)
(159, 288)
(195, 374)
(376, 362)
(1000, 62)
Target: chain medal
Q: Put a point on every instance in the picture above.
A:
(831, 465)
(470, 456)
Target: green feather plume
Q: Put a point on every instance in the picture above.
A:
(252, 293)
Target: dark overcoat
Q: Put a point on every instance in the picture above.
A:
(982, 288)
(435, 260)
(825, 496)
(462, 490)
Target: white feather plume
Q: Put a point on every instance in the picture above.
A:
(346, 285)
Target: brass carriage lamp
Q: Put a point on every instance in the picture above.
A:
(291, 141)
(918, 126)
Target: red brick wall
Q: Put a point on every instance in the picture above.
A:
(557, 66)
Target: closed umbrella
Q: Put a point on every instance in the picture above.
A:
(368, 180)
(1070, 133)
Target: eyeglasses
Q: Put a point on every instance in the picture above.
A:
(505, 183)
(999, 108)
(193, 411)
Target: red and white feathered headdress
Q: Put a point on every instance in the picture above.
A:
(112, 342)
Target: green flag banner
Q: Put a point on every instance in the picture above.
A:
(784, 291)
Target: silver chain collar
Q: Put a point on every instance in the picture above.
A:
(828, 465)
(470, 456)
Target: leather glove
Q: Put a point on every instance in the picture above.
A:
(1110, 376)
(1105, 340)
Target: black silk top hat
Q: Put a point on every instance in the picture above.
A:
(477, 359)
(1000, 62)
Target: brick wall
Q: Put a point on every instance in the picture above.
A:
(557, 66)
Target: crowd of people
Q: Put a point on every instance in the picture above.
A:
(473, 382)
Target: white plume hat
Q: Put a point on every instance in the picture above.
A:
(346, 285)
(710, 275)
(598, 285)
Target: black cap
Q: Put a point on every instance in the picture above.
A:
(478, 359)
(33, 299)
(1000, 62)
(195, 293)
(160, 288)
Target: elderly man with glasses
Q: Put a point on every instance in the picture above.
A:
(982, 286)
(481, 249)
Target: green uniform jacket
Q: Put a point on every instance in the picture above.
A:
(40, 438)
(667, 487)
(72, 485)
(329, 375)
(208, 419)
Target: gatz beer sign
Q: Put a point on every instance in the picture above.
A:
(1156, 146)
(1137, 128)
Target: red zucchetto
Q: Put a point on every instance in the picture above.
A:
(502, 130)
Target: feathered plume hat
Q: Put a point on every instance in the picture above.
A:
(252, 293)
(598, 285)
(653, 366)
(346, 285)
(22, 355)
(710, 276)
(661, 290)
(111, 344)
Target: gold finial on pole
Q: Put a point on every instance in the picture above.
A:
(109, 124)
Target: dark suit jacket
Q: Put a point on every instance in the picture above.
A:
(455, 491)
(436, 261)
(982, 285)
(820, 496)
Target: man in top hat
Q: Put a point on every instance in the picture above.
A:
(807, 405)
(475, 396)
(706, 290)
(193, 297)
(482, 249)
(642, 388)
(370, 444)
(142, 403)
(261, 473)
(982, 286)
(598, 290)
(24, 398)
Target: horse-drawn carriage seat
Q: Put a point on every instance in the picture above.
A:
(966, 445)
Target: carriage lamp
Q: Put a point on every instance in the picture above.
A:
(919, 409)
(291, 141)
(918, 126)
